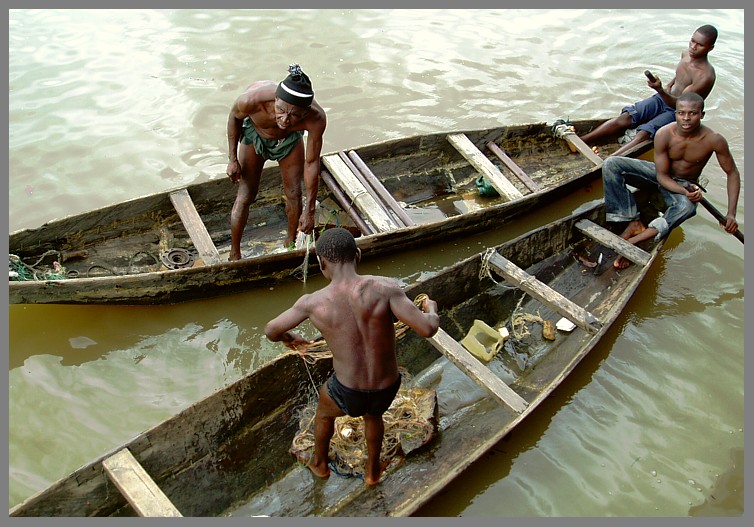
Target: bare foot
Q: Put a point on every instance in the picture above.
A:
(621, 263)
(371, 481)
(305, 458)
(233, 257)
(632, 229)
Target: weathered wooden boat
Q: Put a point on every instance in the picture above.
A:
(394, 195)
(228, 454)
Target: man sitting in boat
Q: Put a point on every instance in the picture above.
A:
(354, 313)
(268, 121)
(693, 73)
(681, 150)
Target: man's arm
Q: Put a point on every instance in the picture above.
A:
(728, 164)
(425, 322)
(235, 120)
(311, 171)
(279, 328)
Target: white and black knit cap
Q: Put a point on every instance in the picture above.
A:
(296, 88)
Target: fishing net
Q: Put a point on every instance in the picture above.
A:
(410, 423)
(18, 270)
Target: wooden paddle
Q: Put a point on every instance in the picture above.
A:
(719, 216)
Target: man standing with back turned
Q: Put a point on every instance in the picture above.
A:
(693, 74)
(682, 150)
(355, 314)
(268, 121)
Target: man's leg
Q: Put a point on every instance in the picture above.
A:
(641, 135)
(374, 428)
(324, 428)
(248, 186)
(292, 171)
(611, 128)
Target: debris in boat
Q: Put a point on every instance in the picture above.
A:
(410, 422)
(565, 325)
(177, 258)
(18, 270)
(586, 261)
(548, 330)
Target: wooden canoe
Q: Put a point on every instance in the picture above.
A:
(228, 454)
(395, 195)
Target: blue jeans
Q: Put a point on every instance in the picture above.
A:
(620, 205)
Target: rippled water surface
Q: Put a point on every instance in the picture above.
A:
(109, 106)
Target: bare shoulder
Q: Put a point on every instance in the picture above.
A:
(258, 93)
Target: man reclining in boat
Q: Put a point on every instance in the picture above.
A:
(682, 150)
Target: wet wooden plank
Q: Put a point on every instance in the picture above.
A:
(545, 294)
(362, 198)
(574, 140)
(477, 371)
(378, 187)
(137, 486)
(496, 178)
(195, 226)
(513, 167)
(615, 242)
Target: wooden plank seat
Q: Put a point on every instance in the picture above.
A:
(195, 226)
(545, 294)
(513, 167)
(474, 156)
(137, 486)
(615, 242)
(477, 371)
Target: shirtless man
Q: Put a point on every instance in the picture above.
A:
(694, 74)
(681, 150)
(355, 315)
(269, 120)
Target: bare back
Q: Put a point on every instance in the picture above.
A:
(356, 319)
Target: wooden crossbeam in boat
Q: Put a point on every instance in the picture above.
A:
(195, 226)
(137, 486)
(362, 198)
(513, 167)
(377, 185)
(545, 294)
(477, 371)
(496, 178)
(342, 200)
(607, 238)
(564, 132)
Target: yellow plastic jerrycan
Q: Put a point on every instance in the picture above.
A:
(484, 342)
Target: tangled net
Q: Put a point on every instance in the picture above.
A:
(409, 424)
(410, 421)
(21, 271)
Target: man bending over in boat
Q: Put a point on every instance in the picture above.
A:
(682, 150)
(693, 73)
(268, 121)
(355, 315)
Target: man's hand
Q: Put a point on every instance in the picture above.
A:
(694, 194)
(306, 222)
(731, 225)
(234, 171)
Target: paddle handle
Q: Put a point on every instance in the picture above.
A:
(719, 216)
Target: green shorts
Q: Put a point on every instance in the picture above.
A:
(272, 149)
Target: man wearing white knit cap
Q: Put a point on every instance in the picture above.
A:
(268, 121)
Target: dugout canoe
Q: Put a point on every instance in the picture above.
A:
(394, 195)
(228, 454)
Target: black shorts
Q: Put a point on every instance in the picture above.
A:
(359, 402)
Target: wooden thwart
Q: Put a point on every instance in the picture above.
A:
(545, 294)
(478, 372)
(137, 486)
(496, 178)
(579, 144)
(607, 238)
(363, 199)
(513, 167)
(195, 226)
